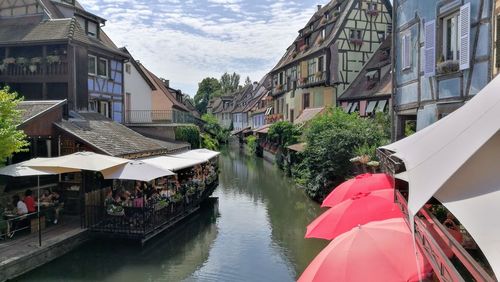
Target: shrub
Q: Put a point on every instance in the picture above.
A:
(251, 145)
(332, 140)
(284, 133)
(190, 134)
(213, 127)
(208, 142)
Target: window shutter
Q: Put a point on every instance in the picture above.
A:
(403, 53)
(465, 36)
(407, 48)
(430, 48)
(498, 43)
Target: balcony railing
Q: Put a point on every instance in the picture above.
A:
(159, 117)
(432, 238)
(313, 80)
(34, 70)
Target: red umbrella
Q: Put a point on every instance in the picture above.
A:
(360, 209)
(360, 184)
(377, 251)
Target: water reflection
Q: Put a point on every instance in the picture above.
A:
(254, 233)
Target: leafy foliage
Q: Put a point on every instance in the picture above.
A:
(251, 145)
(12, 140)
(190, 134)
(284, 133)
(332, 140)
(229, 83)
(213, 127)
(208, 142)
(207, 88)
(248, 81)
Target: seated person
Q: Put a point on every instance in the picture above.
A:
(138, 201)
(29, 201)
(109, 198)
(45, 197)
(21, 208)
(58, 200)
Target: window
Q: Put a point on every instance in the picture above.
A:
(307, 40)
(312, 68)
(281, 78)
(372, 6)
(321, 63)
(381, 36)
(102, 67)
(93, 106)
(406, 51)
(451, 38)
(292, 117)
(323, 33)
(92, 65)
(104, 109)
(128, 68)
(356, 34)
(306, 100)
(92, 29)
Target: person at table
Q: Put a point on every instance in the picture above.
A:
(21, 208)
(29, 201)
(58, 200)
(138, 201)
(45, 197)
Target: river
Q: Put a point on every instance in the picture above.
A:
(253, 232)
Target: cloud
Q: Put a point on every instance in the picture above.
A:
(186, 41)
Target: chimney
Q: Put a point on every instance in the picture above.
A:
(167, 83)
(319, 7)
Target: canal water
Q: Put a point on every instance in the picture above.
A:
(253, 232)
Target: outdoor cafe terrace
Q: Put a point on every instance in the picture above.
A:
(112, 196)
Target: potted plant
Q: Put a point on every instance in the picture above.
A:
(9, 61)
(22, 61)
(53, 59)
(34, 63)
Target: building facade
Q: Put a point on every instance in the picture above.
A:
(55, 50)
(445, 53)
(328, 55)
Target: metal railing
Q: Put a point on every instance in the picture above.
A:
(139, 222)
(427, 239)
(159, 117)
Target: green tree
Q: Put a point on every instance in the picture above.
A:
(332, 140)
(229, 83)
(284, 133)
(12, 140)
(248, 81)
(190, 134)
(207, 88)
(213, 127)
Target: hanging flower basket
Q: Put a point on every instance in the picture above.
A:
(9, 61)
(53, 59)
(22, 61)
(36, 60)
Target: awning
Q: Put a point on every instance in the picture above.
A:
(308, 114)
(236, 132)
(199, 154)
(77, 161)
(381, 106)
(353, 108)
(268, 111)
(172, 163)
(136, 170)
(300, 147)
(456, 160)
(263, 129)
(348, 108)
(371, 107)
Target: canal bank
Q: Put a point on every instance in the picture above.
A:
(254, 233)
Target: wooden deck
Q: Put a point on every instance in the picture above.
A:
(22, 254)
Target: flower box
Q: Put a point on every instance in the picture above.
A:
(446, 67)
(53, 59)
(36, 60)
(9, 61)
(22, 61)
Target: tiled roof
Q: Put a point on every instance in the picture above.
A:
(113, 138)
(30, 29)
(300, 147)
(380, 59)
(32, 109)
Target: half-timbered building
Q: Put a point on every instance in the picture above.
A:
(329, 54)
(444, 55)
(55, 50)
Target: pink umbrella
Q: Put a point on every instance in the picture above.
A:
(360, 184)
(360, 209)
(377, 251)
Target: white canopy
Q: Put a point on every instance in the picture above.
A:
(456, 160)
(172, 163)
(199, 154)
(77, 161)
(21, 169)
(136, 170)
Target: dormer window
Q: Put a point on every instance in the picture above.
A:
(92, 29)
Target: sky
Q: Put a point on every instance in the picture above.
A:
(185, 41)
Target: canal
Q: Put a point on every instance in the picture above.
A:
(253, 232)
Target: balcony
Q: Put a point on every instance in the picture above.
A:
(314, 80)
(159, 117)
(35, 69)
